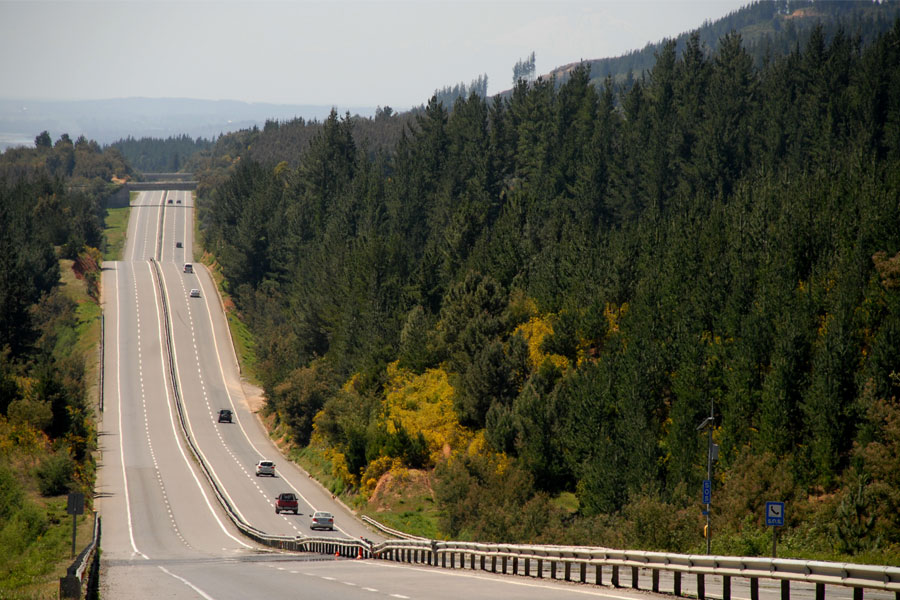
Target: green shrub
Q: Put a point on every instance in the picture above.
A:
(55, 474)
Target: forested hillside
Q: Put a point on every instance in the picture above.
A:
(768, 29)
(156, 155)
(541, 296)
(51, 234)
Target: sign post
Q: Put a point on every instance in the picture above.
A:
(774, 518)
(75, 507)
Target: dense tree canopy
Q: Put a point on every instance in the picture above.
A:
(590, 268)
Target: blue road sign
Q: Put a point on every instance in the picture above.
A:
(774, 514)
(707, 491)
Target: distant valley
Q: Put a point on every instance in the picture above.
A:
(106, 121)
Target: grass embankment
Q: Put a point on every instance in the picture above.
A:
(114, 233)
(35, 531)
(36, 541)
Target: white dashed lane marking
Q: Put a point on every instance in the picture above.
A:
(212, 411)
(158, 473)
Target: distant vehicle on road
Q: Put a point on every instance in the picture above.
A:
(170, 201)
(178, 245)
(286, 502)
(178, 201)
(195, 293)
(224, 416)
(322, 520)
(265, 467)
(188, 268)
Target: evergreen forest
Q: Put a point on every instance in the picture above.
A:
(536, 299)
(52, 209)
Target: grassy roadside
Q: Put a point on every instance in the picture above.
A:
(35, 531)
(33, 570)
(116, 226)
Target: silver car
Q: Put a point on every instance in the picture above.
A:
(265, 467)
(322, 520)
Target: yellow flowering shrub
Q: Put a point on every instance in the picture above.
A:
(534, 331)
(423, 403)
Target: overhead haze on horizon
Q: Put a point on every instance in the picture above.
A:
(338, 52)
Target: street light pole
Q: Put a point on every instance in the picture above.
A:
(709, 476)
(711, 454)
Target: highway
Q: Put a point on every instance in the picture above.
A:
(164, 531)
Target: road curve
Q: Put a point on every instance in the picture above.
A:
(165, 533)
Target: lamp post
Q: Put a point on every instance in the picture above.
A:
(711, 455)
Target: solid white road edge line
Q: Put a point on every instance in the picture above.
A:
(175, 430)
(119, 409)
(231, 400)
(190, 427)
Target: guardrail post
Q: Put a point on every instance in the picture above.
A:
(820, 591)
(540, 568)
(482, 562)
(634, 578)
(677, 590)
(785, 589)
(472, 561)
(726, 587)
(598, 574)
(857, 593)
(527, 567)
(515, 565)
(493, 564)
(655, 581)
(754, 588)
(453, 560)
(552, 569)
(615, 576)
(583, 568)
(503, 565)
(701, 586)
(567, 570)
(443, 560)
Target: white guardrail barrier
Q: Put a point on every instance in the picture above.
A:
(569, 563)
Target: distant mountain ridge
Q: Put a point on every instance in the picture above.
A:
(768, 29)
(106, 121)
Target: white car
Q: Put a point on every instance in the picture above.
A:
(265, 467)
(195, 293)
(188, 268)
(322, 520)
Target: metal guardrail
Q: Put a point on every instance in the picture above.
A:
(70, 586)
(394, 532)
(569, 563)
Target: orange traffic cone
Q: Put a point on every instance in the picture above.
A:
(359, 552)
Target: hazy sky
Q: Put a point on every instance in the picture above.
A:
(349, 53)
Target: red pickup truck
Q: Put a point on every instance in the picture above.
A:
(286, 502)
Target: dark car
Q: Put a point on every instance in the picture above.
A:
(170, 201)
(286, 502)
(224, 416)
(178, 201)
(178, 244)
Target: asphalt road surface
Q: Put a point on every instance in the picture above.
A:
(164, 533)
